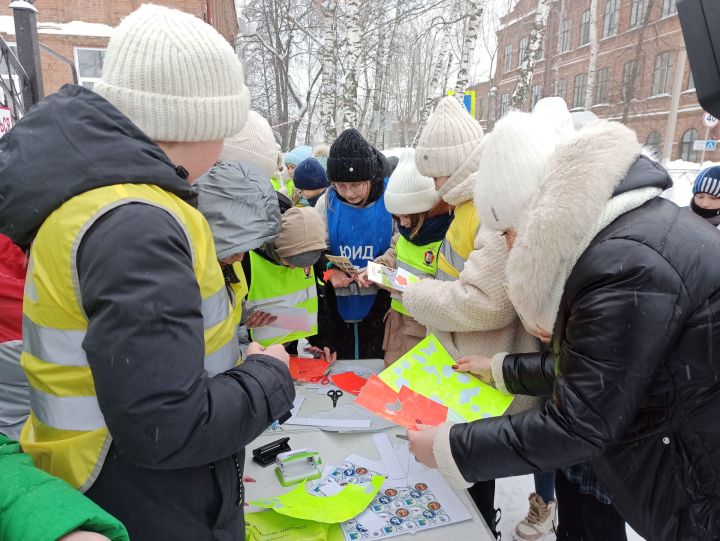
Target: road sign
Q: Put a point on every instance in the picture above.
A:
(470, 100)
(6, 121)
(710, 121)
(705, 144)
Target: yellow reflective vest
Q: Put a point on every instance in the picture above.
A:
(291, 288)
(459, 242)
(66, 433)
(422, 261)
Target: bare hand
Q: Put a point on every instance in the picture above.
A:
(277, 351)
(421, 444)
(83, 536)
(541, 334)
(362, 279)
(324, 354)
(259, 319)
(478, 366)
(339, 279)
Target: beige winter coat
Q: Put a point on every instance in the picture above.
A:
(473, 314)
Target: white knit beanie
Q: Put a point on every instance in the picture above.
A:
(448, 139)
(512, 164)
(174, 76)
(408, 192)
(255, 144)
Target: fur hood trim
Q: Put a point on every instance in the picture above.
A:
(572, 197)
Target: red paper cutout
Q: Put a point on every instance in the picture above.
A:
(403, 408)
(307, 370)
(349, 382)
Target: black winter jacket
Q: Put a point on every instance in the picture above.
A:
(634, 375)
(175, 465)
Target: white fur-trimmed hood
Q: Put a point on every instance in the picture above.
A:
(571, 205)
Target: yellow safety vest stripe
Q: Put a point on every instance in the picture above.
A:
(420, 260)
(459, 242)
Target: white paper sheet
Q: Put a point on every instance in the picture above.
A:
(396, 472)
(425, 501)
(294, 319)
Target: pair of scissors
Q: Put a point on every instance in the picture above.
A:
(324, 379)
(335, 394)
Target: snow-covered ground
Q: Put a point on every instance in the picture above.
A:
(511, 495)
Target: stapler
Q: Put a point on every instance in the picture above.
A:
(266, 455)
(293, 467)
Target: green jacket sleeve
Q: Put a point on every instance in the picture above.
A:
(35, 505)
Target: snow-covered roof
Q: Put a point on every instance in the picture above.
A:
(73, 28)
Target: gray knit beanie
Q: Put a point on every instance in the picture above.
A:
(449, 138)
(174, 76)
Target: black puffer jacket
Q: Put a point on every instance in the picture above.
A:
(634, 374)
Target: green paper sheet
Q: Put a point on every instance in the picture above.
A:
(272, 526)
(427, 370)
(346, 504)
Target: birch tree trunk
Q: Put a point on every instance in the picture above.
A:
(329, 78)
(594, 46)
(468, 48)
(522, 88)
(440, 64)
(556, 77)
(350, 90)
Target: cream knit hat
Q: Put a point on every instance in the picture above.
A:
(448, 139)
(174, 76)
(512, 164)
(408, 192)
(255, 144)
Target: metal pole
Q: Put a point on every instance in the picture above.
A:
(26, 35)
(707, 135)
(674, 103)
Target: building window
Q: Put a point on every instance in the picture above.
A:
(691, 81)
(602, 86)
(522, 50)
(560, 88)
(504, 104)
(610, 19)
(89, 63)
(669, 8)
(662, 73)
(653, 142)
(638, 13)
(585, 28)
(565, 35)
(628, 84)
(686, 150)
(507, 58)
(535, 95)
(579, 90)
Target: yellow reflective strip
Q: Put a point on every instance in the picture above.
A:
(58, 380)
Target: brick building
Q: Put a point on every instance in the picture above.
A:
(640, 43)
(79, 31)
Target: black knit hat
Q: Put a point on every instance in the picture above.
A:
(352, 159)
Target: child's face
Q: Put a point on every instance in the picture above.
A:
(353, 192)
(440, 182)
(707, 201)
(291, 170)
(404, 220)
(196, 157)
(310, 194)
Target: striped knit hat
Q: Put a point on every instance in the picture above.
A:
(708, 181)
